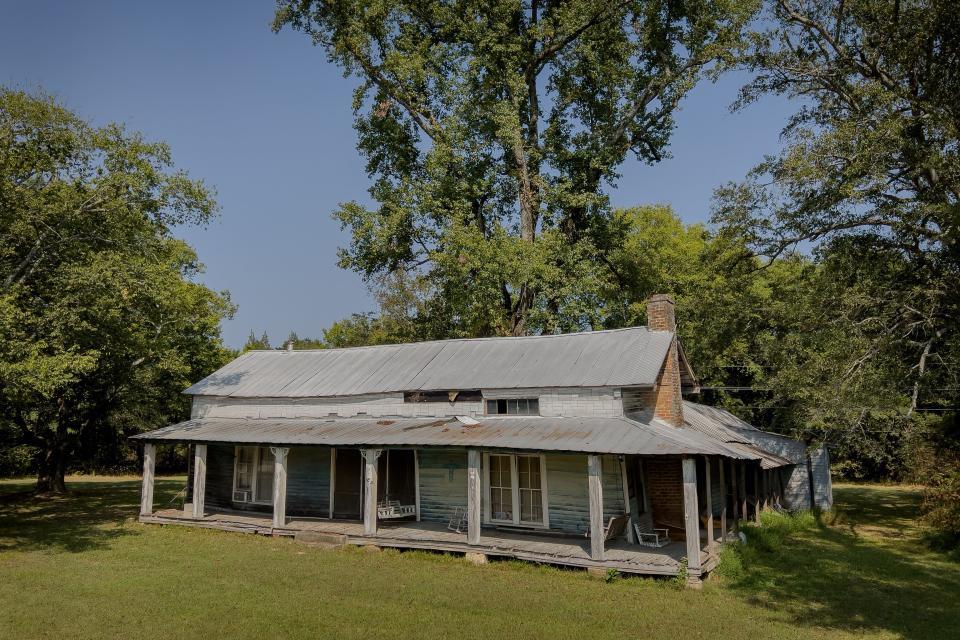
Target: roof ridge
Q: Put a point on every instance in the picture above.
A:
(448, 340)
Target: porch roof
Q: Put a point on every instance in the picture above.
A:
(723, 426)
(615, 435)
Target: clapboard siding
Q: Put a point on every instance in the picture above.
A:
(567, 497)
(443, 483)
(308, 482)
(219, 488)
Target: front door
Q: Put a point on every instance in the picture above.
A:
(348, 484)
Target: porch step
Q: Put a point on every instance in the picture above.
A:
(321, 539)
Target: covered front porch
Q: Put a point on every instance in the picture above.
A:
(553, 549)
(583, 497)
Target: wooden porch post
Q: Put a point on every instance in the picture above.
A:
(473, 496)
(595, 485)
(709, 498)
(370, 457)
(280, 485)
(744, 512)
(626, 498)
(765, 483)
(756, 490)
(735, 495)
(723, 503)
(199, 479)
(691, 514)
(149, 464)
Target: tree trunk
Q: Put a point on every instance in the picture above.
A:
(52, 469)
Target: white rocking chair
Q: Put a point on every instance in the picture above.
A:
(657, 537)
(458, 520)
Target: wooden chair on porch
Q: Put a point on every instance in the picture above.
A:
(655, 537)
(614, 529)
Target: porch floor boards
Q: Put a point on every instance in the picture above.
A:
(549, 549)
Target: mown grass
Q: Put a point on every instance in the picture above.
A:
(82, 567)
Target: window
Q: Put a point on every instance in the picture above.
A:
(253, 475)
(514, 407)
(501, 489)
(516, 489)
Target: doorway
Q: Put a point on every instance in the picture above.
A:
(397, 476)
(347, 484)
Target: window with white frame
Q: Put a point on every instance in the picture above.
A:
(516, 489)
(513, 407)
(253, 475)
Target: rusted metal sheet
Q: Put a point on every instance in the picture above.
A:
(615, 358)
(737, 435)
(581, 434)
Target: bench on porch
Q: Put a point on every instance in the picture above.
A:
(392, 509)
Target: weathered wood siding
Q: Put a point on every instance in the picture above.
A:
(443, 483)
(583, 401)
(567, 493)
(308, 482)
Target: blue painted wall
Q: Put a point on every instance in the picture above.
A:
(443, 483)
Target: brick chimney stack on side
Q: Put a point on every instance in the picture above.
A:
(667, 399)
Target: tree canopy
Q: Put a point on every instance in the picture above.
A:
(101, 321)
(491, 131)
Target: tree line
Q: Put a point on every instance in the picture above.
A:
(821, 300)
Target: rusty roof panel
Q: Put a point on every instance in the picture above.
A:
(588, 435)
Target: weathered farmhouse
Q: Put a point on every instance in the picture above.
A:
(574, 449)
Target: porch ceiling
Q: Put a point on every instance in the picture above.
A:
(588, 435)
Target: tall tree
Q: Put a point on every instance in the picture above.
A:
(869, 179)
(101, 322)
(491, 131)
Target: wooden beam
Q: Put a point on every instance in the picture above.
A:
(199, 479)
(723, 502)
(756, 492)
(626, 497)
(691, 513)
(595, 488)
(279, 485)
(473, 496)
(765, 484)
(149, 465)
(370, 457)
(416, 481)
(744, 511)
(333, 478)
(735, 495)
(709, 498)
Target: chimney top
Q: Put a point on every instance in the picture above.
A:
(660, 313)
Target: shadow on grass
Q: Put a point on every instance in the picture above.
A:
(868, 572)
(89, 516)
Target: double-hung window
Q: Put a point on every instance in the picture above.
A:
(253, 475)
(516, 489)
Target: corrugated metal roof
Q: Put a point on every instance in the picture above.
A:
(589, 435)
(616, 358)
(723, 426)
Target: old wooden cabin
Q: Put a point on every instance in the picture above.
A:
(575, 449)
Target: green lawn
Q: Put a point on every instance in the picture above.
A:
(82, 567)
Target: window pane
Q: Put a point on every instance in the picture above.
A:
(492, 407)
(265, 476)
(245, 463)
(531, 495)
(501, 492)
(533, 406)
(501, 406)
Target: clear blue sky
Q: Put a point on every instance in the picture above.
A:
(266, 120)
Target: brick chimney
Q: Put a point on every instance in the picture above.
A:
(667, 398)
